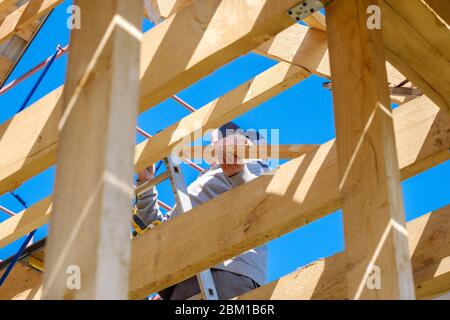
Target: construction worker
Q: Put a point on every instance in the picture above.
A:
(236, 275)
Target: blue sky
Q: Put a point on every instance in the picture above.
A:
(303, 114)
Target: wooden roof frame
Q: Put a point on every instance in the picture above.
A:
(302, 190)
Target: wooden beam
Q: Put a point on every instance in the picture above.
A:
(26, 221)
(89, 227)
(164, 72)
(195, 32)
(22, 16)
(325, 279)
(5, 64)
(5, 5)
(442, 9)
(317, 21)
(372, 203)
(308, 48)
(299, 192)
(22, 282)
(158, 10)
(418, 44)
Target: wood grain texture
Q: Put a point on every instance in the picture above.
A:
(369, 177)
(325, 279)
(89, 227)
(417, 43)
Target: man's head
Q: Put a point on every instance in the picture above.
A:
(227, 129)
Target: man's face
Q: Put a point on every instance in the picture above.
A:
(225, 148)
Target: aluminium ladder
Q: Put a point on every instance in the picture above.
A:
(174, 173)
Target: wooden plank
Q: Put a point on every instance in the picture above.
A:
(442, 9)
(423, 136)
(418, 44)
(164, 71)
(22, 16)
(5, 64)
(374, 222)
(22, 283)
(89, 224)
(325, 279)
(308, 48)
(317, 21)
(29, 141)
(207, 34)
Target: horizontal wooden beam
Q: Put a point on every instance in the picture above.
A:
(164, 72)
(417, 43)
(6, 7)
(22, 282)
(26, 221)
(207, 34)
(25, 14)
(325, 279)
(429, 247)
(299, 192)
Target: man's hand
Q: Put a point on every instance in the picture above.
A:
(228, 156)
(146, 174)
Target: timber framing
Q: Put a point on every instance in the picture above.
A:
(356, 172)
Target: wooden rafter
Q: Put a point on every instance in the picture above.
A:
(417, 43)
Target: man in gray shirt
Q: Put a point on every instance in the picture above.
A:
(237, 275)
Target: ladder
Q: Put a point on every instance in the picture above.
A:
(175, 174)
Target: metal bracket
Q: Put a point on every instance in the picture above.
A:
(395, 91)
(305, 9)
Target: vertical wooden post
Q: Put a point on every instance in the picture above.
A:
(374, 223)
(90, 230)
